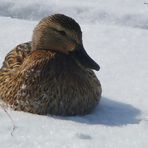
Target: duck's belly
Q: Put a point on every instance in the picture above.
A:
(60, 95)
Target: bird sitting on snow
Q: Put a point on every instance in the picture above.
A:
(52, 74)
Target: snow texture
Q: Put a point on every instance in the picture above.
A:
(115, 34)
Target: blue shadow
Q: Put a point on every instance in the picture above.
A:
(109, 112)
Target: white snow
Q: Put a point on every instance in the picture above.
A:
(115, 34)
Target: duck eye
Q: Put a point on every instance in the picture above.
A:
(62, 33)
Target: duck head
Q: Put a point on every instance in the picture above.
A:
(63, 34)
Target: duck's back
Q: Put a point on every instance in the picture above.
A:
(16, 56)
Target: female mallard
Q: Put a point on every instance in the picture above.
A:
(52, 74)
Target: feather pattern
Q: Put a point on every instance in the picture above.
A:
(45, 81)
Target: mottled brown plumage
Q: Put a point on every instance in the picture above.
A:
(52, 73)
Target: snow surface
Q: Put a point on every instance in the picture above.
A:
(115, 34)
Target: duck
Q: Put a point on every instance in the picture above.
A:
(51, 74)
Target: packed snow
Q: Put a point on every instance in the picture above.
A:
(115, 34)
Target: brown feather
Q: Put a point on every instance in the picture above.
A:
(44, 81)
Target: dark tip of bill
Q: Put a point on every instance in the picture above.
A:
(97, 68)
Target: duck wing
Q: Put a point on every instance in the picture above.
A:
(15, 57)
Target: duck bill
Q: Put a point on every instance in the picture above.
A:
(83, 58)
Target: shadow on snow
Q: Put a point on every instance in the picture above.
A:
(109, 112)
